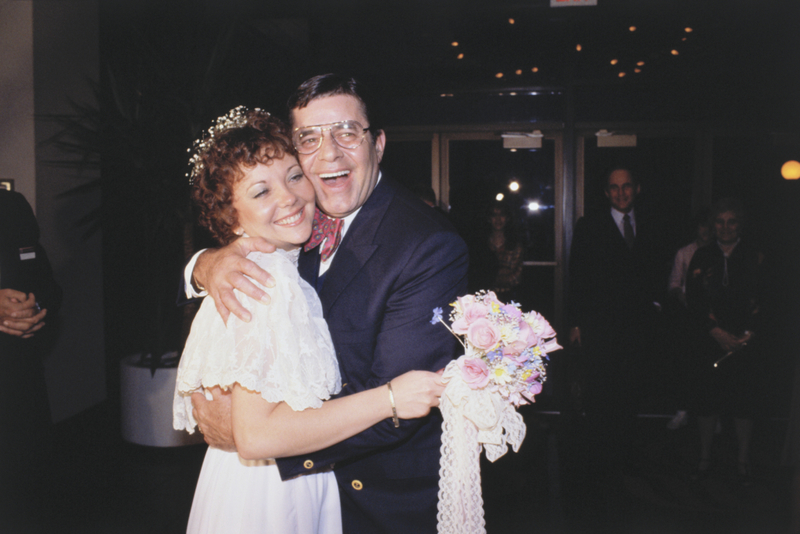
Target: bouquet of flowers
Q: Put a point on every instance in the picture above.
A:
(503, 366)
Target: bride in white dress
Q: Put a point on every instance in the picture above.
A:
(281, 366)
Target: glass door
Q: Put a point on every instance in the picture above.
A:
(478, 176)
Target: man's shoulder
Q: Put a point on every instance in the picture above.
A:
(13, 203)
(17, 220)
(594, 223)
(404, 214)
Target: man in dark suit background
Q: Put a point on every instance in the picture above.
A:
(615, 282)
(28, 293)
(397, 260)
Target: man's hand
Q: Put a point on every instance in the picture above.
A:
(19, 314)
(214, 418)
(222, 270)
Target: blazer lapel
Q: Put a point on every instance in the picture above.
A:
(308, 266)
(357, 246)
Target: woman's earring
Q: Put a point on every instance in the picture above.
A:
(239, 231)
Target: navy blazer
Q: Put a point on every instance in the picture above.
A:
(399, 260)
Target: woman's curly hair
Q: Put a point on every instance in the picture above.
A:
(219, 165)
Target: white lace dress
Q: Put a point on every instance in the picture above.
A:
(285, 353)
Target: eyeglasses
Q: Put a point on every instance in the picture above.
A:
(347, 134)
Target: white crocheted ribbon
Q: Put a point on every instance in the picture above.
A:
(473, 419)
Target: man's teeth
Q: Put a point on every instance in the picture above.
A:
(334, 174)
(291, 219)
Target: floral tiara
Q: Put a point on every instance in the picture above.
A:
(235, 118)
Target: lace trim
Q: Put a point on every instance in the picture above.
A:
(285, 352)
(474, 420)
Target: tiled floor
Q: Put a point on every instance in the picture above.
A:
(104, 485)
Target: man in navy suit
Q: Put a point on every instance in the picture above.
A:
(615, 282)
(397, 260)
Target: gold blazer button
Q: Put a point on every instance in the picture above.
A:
(308, 464)
(357, 485)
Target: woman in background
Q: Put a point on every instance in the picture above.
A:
(723, 293)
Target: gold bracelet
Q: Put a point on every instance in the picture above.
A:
(394, 408)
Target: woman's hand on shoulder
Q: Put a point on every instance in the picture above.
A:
(416, 392)
(220, 271)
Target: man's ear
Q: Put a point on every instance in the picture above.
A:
(380, 144)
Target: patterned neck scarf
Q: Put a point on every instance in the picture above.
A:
(325, 229)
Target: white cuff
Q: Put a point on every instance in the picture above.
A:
(187, 278)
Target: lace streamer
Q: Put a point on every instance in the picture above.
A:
(474, 419)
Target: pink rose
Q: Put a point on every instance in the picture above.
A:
(474, 372)
(540, 326)
(527, 334)
(483, 334)
(525, 338)
(512, 311)
(513, 349)
(475, 311)
(533, 390)
(491, 298)
(471, 312)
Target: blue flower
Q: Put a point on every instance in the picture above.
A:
(495, 355)
(437, 315)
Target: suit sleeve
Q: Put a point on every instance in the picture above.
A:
(435, 274)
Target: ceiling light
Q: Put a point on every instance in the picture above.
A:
(637, 70)
(511, 21)
(578, 48)
(687, 29)
(640, 63)
(533, 206)
(621, 74)
(460, 56)
(454, 43)
(791, 170)
(535, 69)
(499, 197)
(518, 72)
(632, 28)
(614, 61)
(514, 186)
(674, 52)
(498, 75)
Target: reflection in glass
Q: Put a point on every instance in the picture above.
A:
(480, 171)
(481, 199)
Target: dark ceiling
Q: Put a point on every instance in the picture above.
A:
(740, 59)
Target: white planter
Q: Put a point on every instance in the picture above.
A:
(147, 406)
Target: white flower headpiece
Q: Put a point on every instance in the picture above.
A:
(235, 118)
